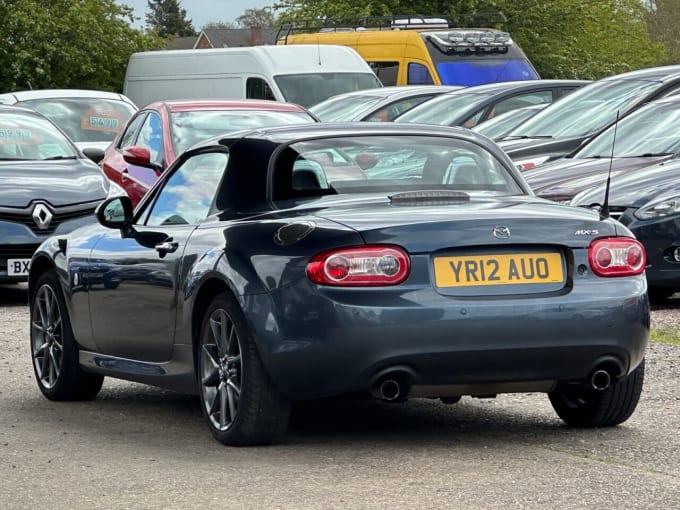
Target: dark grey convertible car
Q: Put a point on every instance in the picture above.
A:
(306, 262)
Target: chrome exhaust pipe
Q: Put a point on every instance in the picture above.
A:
(600, 380)
(389, 390)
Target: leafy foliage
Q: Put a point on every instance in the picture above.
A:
(67, 44)
(662, 20)
(168, 19)
(256, 18)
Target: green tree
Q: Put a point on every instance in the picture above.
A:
(662, 19)
(168, 19)
(563, 38)
(66, 44)
(256, 18)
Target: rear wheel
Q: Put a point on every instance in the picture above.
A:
(660, 294)
(53, 348)
(240, 403)
(580, 406)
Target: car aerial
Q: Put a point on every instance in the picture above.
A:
(473, 105)
(500, 125)
(376, 105)
(160, 131)
(645, 137)
(47, 187)
(91, 118)
(647, 201)
(266, 280)
(565, 125)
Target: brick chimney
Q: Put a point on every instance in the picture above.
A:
(255, 36)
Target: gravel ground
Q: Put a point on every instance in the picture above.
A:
(667, 315)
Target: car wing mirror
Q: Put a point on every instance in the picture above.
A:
(116, 212)
(140, 156)
(93, 153)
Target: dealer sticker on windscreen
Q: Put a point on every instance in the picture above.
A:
(498, 269)
(18, 267)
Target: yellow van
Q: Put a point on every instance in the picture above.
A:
(407, 53)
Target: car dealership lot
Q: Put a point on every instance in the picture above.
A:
(140, 447)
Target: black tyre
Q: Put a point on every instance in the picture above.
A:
(240, 403)
(658, 295)
(53, 348)
(579, 406)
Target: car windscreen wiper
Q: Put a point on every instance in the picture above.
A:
(52, 158)
(526, 137)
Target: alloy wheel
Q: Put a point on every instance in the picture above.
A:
(221, 371)
(47, 338)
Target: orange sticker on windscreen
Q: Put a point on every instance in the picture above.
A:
(102, 119)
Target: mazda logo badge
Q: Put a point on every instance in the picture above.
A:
(501, 232)
(42, 216)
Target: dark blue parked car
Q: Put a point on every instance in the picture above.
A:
(305, 262)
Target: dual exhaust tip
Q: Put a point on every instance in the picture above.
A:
(396, 386)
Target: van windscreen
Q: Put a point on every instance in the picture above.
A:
(310, 89)
(470, 72)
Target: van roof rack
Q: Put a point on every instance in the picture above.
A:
(395, 22)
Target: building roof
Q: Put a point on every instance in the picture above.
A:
(235, 37)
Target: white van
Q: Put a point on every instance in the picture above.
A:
(303, 74)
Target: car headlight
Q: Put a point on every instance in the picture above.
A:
(528, 164)
(659, 208)
(115, 190)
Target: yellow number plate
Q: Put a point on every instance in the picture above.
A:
(499, 269)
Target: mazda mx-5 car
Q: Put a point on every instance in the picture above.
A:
(47, 186)
(255, 273)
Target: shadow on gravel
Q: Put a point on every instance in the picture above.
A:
(151, 418)
(14, 295)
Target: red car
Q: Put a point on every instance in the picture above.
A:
(159, 132)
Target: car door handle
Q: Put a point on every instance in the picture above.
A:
(124, 175)
(167, 246)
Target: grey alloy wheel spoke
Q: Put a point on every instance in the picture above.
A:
(223, 406)
(41, 350)
(55, 365)
(45, 367)
(210, 372)
(231, 398)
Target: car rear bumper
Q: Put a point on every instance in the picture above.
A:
(324, 345)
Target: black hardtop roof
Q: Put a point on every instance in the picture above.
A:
(300, 132)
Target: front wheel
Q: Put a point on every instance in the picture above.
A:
(53, 348)
(579, 406)
(239, 402)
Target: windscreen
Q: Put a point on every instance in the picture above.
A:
(26, 136)
(443, 110)
(191, 127)
(310, 89)
(585, 110)
(505, 122)
(654, 130)
(470, 73)
(85, 119)
(379, 163)
(343, 108)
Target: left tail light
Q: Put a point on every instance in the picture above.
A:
(362, 266)
(616, 256)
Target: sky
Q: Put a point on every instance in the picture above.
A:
(201, 12)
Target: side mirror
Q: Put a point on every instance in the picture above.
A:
(115, 212)
(94, 154)
(140, 156)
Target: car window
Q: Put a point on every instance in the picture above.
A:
(418, 75)
(520, 101)
(390, 112)
(29, 136)
(257, 88)
(388, 163)
(151, 137)
(85, 119)
(386, 72)
(187, 195)
(128, 137)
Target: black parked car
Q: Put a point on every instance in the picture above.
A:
(647, 201)
(647, 136)
(562, 127)
(47, 186)
(309, 261)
